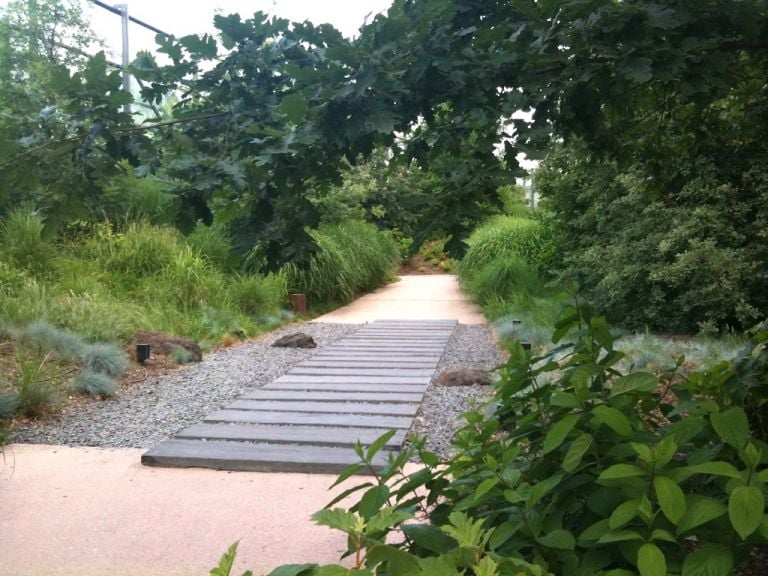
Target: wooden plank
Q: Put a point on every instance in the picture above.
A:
(361, 372)
(347, 387)
(354, 379)
(325, 436)
(332, 396)
(242, 456)
(356, 356)
(346, 408)
(350, 420)
(382, 364)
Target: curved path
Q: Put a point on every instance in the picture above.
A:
(99, 512)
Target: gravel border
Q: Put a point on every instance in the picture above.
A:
(143, 416)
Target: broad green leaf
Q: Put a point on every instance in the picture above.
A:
(620, 536)
(671, 498)
(294, 106)
(565, 400)
(664, 535)
(502, 533)
(558, 433)
(623, 513)
(378, 444)
(651, 561)
(486, 567)
(558, 539)
(399, 562)
(338, 519)
(436, 566)
(635, 382)
(226, 561)
(746, 508)
(619, 471)
(542, 488)
(716, 468)
(295, 570)
(732, 426)
(387, 518)
(700, 510)
(596, 531)
(485, 486)
(373, 499)
(750, 455)
(614, 419)
(709, 560)
(464, 530)
(429, 537)
(576, 452)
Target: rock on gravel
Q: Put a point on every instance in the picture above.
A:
(440, 415)
(145, 415)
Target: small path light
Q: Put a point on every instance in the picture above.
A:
(299, 303)
(526, 345)
(142, 353)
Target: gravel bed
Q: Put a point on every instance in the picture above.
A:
(143, 416)
(438, 419)
(147, 414)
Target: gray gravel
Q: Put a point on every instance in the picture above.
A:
(470, 346)
(145, 415)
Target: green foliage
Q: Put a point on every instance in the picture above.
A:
(41, 337)
(34, 384)
(258, 295)
(23, 243)
(693, 256)
(92, 383)
(353, 257)
(127, 197)
(213, 243)
(141, 250)
(105, 358)
(576, 468)
(181, 355)
(502, 237)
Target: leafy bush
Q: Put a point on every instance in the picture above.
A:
(94, 384)
(675, 260)
(213, 243)
(105, 358)
(502, 237)
(23, 243)
(141, 250)
(129, 197)
(578, 469)
(258, 295)
(353, 257)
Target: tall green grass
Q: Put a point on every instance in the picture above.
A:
(23, 244)
(353, 257)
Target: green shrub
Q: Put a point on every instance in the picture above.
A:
(100, 316)
(191, 280)
(213, 243)
(105, 358)
(502, 277)
(95, 384)
(141, 250)
(502, 237)
(41, 337)
(181, 355)
(34, 384)
(576, 468)
(128, 197)
(353, 257)
(258, 295)
(23, 243)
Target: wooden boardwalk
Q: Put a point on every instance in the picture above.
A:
(308, 420)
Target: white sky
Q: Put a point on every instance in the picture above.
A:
(182, 17)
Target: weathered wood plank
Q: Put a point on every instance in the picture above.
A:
(362, 372)
(347, 387)
(346, 408)
(332, 396)
(350, 420)
(244, 456)
(317, 436)
(380, 364)
(355, 379)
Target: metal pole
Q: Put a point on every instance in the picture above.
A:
(126, 55)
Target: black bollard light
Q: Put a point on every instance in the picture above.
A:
(142, 353)
(526, 345)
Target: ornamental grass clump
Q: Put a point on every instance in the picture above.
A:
(105, 358)
(95, 384)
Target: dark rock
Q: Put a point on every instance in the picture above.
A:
(297, 340)
(163, 344)
(464, 377)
